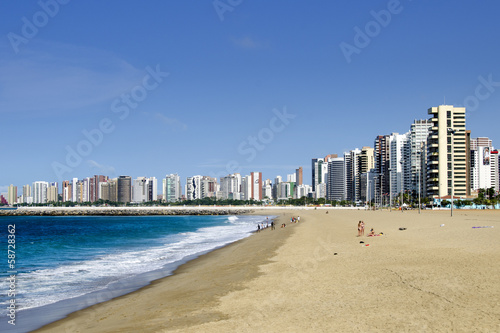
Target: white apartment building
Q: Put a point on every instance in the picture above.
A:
(172, 188)
(396, 143)
(230, 186)
(40, 192)
(414, 156)
(193, 188)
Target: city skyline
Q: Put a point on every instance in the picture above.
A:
(161, 88)
(400, 148)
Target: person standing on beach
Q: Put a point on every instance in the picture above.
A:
(359, 228)
(362, 228)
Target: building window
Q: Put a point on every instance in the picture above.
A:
(448, 114)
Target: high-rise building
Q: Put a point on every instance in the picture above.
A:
(365, 165)
(303, 190)
(67, 191)
(94, 187)
(382, 163)
(40, 192)
(152, 189)
(208, 187)
(353, 170)
(319, 170)
(172, 188)
(124, 189)
(481, 166)
(230, 186)
(414, 164)
(12, 194)
(446, 152)
(367, 159)
(319, 175)
(52, 193)
(256, 186)
(276, 187)
(267, 189)
(336, 184)
(27, 196)
(80, 185)
(86, 189)
(396, 160)
(74, 188)
(193, 188)
(140, 190)
(495, 170)
(285, 190)
(109, 190)
(299, 176)
(246, 187)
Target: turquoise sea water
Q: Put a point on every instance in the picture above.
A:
(66, 263)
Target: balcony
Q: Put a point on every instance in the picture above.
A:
(434, 120)
(433, 145)
(434, 162)
(432, 111)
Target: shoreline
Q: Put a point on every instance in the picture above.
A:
(190, 266)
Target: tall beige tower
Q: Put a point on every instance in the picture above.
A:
(12, 195)
(446, 152)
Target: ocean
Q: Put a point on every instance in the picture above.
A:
(64, 264)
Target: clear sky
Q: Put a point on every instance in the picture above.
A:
(213, 87)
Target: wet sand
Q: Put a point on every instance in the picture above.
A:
(317, 276)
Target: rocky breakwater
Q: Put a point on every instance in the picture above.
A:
(116, 211)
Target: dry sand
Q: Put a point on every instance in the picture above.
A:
(316, 276)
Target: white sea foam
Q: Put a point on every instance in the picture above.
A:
(47, 286)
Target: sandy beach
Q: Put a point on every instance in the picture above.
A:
(318, 276)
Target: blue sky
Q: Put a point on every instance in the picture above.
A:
(190, 87)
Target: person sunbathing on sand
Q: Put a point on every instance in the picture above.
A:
(372, 233)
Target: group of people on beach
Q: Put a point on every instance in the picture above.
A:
(361, 230)
(261, 226)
